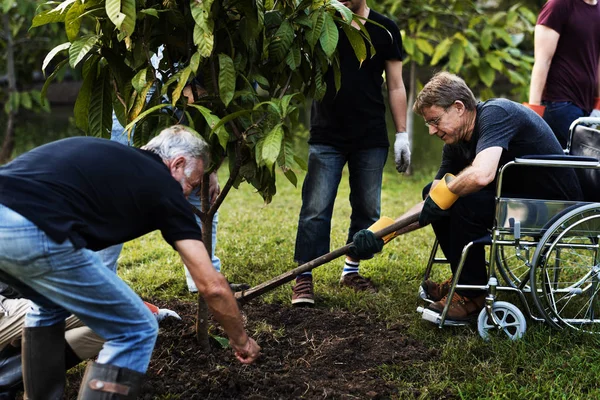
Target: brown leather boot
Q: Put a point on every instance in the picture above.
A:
(461, 308)
(109, 382)
(436, 291)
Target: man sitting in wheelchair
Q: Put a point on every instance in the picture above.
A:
(479, 138)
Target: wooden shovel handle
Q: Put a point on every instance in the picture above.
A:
(397, 227)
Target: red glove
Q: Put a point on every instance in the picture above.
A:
(539, 109)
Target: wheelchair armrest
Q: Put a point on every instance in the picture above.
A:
(584, 121)
(550, 160)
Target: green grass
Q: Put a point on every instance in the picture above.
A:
(256, 243)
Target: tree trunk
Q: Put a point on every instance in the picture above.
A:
(202, 312)
(410, 116)
(9, 135)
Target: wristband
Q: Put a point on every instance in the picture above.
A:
(441, 195)
(539, 109)
(381, 223)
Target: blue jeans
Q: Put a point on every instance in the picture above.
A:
(325, 165)
(559, 115)
(62, 280)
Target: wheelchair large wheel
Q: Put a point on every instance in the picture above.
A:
(511, 319)
(565, 276)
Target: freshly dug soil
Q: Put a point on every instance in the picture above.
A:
(306, 353)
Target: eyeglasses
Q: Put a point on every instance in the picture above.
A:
(435, 122)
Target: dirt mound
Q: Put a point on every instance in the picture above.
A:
(308, 353)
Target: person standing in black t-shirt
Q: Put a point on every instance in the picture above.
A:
(61, 202)
(479, 139)
(348, 127)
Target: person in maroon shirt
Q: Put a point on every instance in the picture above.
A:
(564, 81)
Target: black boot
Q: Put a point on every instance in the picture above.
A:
(11, 374)
(43, 353)
(109, 382)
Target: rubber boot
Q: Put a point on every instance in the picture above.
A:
(109, 382)
(11, 374)
(11, 371)
(43, 352)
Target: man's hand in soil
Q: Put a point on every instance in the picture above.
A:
(248, 353)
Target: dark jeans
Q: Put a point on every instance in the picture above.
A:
(325, 165)
(559, 115)
(471, 218)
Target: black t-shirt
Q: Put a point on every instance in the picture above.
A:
(97, 193)
(354, 117)
(519, 131)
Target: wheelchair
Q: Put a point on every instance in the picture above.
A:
(546, 252)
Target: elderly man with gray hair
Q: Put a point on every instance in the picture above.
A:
(61, 202)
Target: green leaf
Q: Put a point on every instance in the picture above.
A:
(203, 30)
(425, 46)
(100, 117)
(144, 115)
(441, 50)
(313, 35)
(457, 56)
(26, 100)
(139, 80)
(409, 45)
(272, 145)
(150, 11)
(113, 11)
(7, 5)
(282, 41)
(472, 52)
(183, 75)
(73, 20)
(128, 25)
(81, 110)
(213, 122)
(80, 48)
(57, 14)
(329, 35)
(357, 42)
(343, 10)
(486, 38)
(53, 53)
(230, 117)
(223, 342)
(226, 78)
(294, 57)
(50, 78)
(494, 61)
(486, 74)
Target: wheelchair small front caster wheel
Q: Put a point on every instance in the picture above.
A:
(511, 319)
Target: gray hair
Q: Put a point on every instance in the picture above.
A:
(442, 91)
(179, 140)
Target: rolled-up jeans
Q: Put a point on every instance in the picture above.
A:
(62, 280)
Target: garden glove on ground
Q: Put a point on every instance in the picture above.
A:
(364, 245)
(596, 111)
(538, 108)
(438, 202)
(402, 152)
(161, 313)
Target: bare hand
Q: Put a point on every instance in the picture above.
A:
(248, 353)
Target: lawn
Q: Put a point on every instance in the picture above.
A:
(256, 243)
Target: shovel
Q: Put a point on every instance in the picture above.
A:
(403, 225)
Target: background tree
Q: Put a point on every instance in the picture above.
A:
(21, 53)
(249, 64)
(482, 42)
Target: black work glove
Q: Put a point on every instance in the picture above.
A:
(364, 245)
(431, 212)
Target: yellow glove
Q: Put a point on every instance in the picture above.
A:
(381, 223)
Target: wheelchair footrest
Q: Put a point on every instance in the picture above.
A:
(436, 318)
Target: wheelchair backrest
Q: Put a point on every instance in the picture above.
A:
(585, 141)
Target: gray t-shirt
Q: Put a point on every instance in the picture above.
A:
(520, 132)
